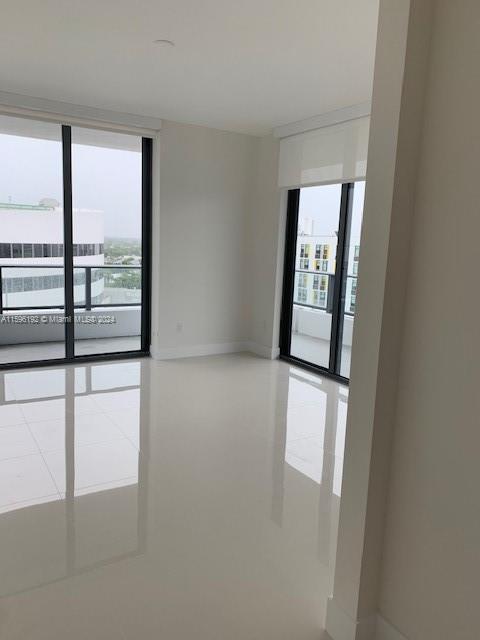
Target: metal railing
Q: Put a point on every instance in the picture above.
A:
(87, 302)
(328, 289)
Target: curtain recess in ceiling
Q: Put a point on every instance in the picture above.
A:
(336, 153)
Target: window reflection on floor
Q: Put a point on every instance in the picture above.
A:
(69, 456)
(316, 423)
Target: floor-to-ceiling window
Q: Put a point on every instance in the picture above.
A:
(320, 280)
(74, 242)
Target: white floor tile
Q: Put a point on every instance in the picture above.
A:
(230, 507)
(23, 479)
(96, 464)
(43, 410)
(130, 398)
(16, 441)
(10, 414)
(128, 421)
(89, 429)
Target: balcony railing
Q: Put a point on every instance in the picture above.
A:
(327, 306)
(95, 286)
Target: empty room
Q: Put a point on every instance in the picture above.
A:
(238, 388)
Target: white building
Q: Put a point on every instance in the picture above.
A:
(315, 264)
(31, 237)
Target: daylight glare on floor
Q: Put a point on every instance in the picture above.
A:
(190, 498)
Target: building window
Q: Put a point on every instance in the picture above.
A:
(320, 299)
(302, 296)
(304, 250)
(16, 250)
(28, 250)
(5, 250)
(302, 280)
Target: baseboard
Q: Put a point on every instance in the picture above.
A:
(385, 631)
(190, 351)
(340, 626)
(271, 353)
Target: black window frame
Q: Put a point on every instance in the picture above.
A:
(67, 251)
(336, 299)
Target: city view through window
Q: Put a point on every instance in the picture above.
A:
(107, 241)
(315, 270)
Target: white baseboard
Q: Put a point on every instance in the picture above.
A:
(190, 351)
(340, 626)
(385, 631)
(271, 353)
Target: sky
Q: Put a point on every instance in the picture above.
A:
(322, 205)
(103, 178)
(110, 180)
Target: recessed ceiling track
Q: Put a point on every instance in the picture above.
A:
(79, 115)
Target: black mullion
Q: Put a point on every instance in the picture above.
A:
(344, 274)
(146, 241)
(339, 290)
(70, 468)
(68, 241)
(315, 368)
(289, 271)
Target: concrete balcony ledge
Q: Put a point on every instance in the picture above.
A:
(127, 323)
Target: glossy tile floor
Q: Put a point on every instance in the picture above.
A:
(174, 500)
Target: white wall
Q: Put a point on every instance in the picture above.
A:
(207, 180)
(431, 558)
(265, 257)
(395, 131)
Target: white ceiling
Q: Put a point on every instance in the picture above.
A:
(240, 65)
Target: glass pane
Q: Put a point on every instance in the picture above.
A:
(107, 239)
(353, 250)
(317, 236)
(79, 287)
(31, 241)
(117, 285)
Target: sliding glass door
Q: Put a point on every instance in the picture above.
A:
(31, 241)
(107, 240)
(320, 276)
(75, 208)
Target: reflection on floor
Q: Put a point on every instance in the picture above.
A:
(54, 350)
(193, 498)
(317, 351)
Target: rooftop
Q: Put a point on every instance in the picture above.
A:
(26, 207)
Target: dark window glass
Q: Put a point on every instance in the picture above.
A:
(27, 251)
(5, 250)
